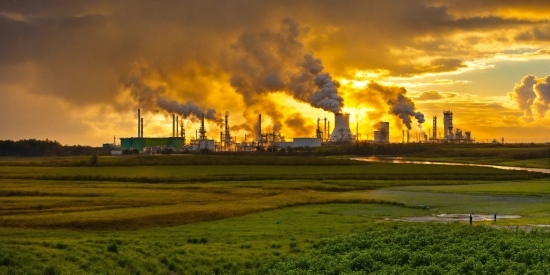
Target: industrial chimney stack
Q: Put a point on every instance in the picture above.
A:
(139, 119)
(141, 123)
(434, 134)
(173, 125)
(259, 127)
(202, 130)
(227, 140)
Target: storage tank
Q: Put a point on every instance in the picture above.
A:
(341, 130)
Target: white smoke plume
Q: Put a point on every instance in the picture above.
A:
(276, 61)
(532, 96)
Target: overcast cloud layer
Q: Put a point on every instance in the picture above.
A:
(75, 71)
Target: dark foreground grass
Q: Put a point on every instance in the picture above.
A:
(238, 245)
(424, 249)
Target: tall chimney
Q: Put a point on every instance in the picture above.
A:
(177, 123)
(227, 141)
(173, 125)
(139, 117)
(259, 128)
(202, 130)
(325, 132)
(434, 134)
(141, 122)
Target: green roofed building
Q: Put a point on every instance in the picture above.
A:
(141, 142)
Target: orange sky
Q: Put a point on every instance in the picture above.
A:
(76, 71)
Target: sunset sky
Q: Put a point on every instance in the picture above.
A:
(76, 71)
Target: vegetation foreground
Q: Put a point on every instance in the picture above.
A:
(265, 215)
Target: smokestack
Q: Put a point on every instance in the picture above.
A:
(325, 132)
(139, 117)
(318, 132)
(141, 121)
(202, 131)
(177, 123)
(434, 134)
(259, 127)
(173, 125)
(227, 141)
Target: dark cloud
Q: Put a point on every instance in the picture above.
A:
(535, 34)
(81, 52)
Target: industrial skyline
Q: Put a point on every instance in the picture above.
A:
(76, 71)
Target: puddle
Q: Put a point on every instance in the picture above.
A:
(458, 218)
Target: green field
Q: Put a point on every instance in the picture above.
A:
(242, 216)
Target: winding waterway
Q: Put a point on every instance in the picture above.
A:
(400, 160)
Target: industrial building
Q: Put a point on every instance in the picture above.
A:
(140, 143)
(456, 136)
(306, 142)
(341, 132)
(156, 143)
(382, 134)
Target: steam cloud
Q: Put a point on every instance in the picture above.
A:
(278, 62)
(391, 98)
(532, 96)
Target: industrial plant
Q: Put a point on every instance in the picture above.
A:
(456, 136)
(340, 134)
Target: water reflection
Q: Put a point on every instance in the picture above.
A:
(401, 160)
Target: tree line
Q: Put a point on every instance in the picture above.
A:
(43, 148)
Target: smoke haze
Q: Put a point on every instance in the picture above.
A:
(87, 65)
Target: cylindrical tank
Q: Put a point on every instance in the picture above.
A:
(341, 130)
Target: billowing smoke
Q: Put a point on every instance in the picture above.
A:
(403, 107)
(390, 98)
(300, 125)
(532, 96)
(276, 61)
(154, 99)
(188, 109)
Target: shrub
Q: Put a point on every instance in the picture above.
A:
(112, 248)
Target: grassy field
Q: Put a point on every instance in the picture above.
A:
(230, 218)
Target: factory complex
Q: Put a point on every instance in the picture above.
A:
(341, 133)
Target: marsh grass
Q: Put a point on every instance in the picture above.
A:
(225, 219)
